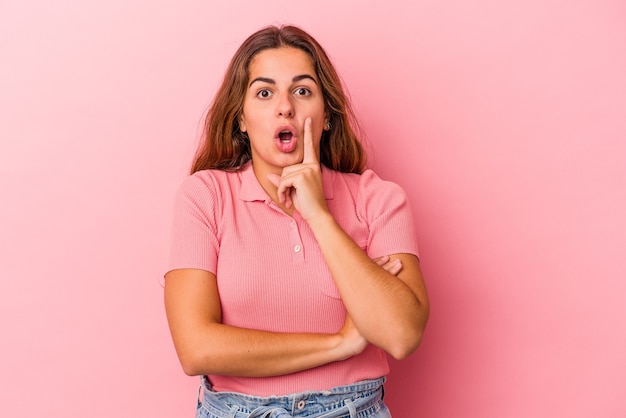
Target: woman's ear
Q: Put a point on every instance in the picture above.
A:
(242, 125)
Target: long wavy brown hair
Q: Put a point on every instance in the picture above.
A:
(225, 147)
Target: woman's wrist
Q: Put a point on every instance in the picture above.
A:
(322, 222)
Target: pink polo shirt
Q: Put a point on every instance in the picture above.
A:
(270, 272)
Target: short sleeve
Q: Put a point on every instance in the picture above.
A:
(389, 216)
(194, 242)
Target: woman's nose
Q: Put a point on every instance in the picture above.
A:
(285, 107)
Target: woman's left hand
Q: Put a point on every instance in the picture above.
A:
(300, 185)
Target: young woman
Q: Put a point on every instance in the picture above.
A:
(293, 270)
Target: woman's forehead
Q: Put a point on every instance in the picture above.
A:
(281, 61)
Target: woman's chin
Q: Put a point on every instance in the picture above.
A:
(279, 161)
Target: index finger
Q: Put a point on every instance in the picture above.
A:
(310, 156)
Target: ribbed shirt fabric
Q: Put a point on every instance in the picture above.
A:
(270, 272)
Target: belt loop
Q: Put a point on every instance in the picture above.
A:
(269, 411)
(199, 391)
(233, 411)
(351, 408)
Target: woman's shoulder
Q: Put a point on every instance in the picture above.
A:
(218, 174)
(366, 182)
(212, 179)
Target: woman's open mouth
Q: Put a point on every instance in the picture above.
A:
(285, 136)
(286, 139)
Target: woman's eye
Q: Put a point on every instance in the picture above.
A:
(302, 91)
(264, 94)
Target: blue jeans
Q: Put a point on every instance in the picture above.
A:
(361, 399)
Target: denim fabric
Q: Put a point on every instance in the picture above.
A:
(362, 399)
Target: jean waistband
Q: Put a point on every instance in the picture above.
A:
(345, 400)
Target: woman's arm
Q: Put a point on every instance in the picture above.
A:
(206, 346)
(390, 312)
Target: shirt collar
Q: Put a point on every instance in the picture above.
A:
(251, 189)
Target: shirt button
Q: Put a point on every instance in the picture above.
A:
(301, 405)
(297, 248)
(292, 224)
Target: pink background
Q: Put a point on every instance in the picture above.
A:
(504, 121)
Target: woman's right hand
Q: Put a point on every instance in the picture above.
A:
(206, 346)
(352, 342)
(393, 266)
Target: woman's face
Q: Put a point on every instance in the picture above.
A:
(283, 91)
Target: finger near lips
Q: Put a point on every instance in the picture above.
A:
(309, 149)
(290, 177)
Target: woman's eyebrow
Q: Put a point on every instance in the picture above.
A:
(263, 80)
(302, 77)
(293, 80)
